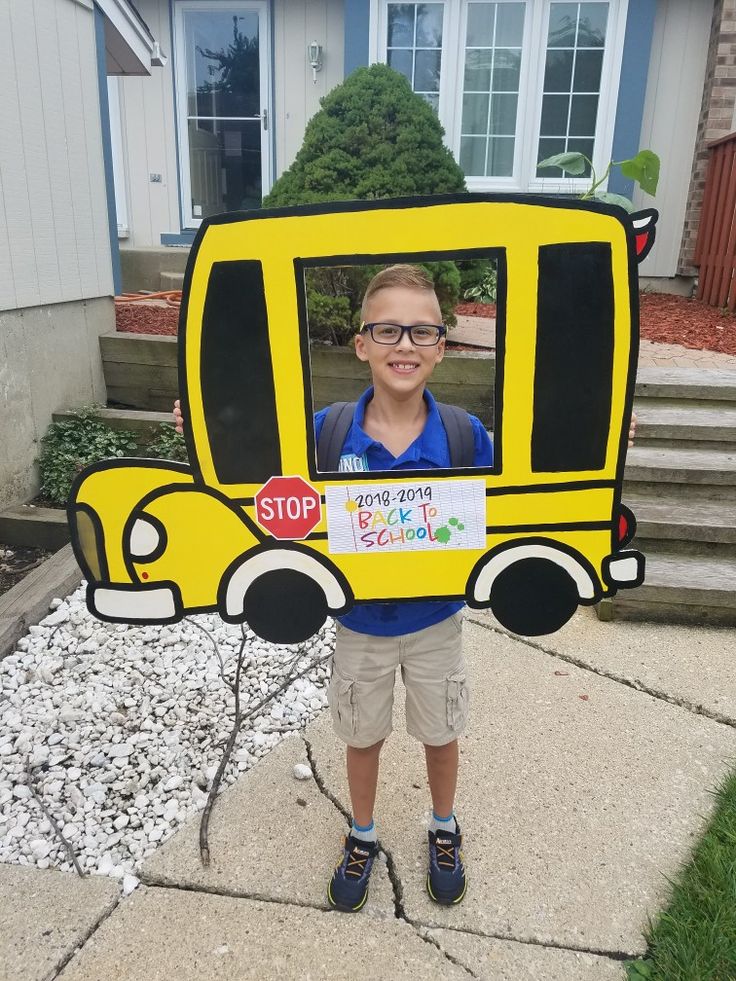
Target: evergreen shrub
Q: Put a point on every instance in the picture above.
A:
(372, 138)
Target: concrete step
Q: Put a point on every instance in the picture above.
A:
(25, 524)
(686, 383)
(670, 546)
(136, 420)
(679, 589)
(671, 519)
(172, 280)
(700, 426)
(709, 472)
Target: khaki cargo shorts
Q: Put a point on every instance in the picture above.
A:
(361, 692)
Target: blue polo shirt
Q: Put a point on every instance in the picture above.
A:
(430, 449)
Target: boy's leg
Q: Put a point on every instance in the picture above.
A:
(436, 711)
(442, 766)
(362, 766)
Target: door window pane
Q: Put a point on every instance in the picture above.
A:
(414, 45)
(223, 68)
(493, 41)
(224, 165)
(572, 80)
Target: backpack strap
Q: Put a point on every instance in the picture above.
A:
(332, 436)
(459, 431)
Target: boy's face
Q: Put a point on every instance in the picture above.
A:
(404, 367)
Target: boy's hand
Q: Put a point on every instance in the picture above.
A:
(179, 419)
(632, 428)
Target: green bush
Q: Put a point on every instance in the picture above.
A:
(70, 446)
(372, 138)
(167, 445)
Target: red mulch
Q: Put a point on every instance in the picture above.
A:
(664, 318)
(146, 318)
(470, 309)
(678, 320)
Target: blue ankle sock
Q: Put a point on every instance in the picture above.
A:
(364, 833)
(443, 823)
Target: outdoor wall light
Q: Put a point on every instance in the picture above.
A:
(315, 59)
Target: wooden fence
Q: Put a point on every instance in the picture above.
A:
(715, 249)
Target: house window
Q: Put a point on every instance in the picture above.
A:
(513, 81)
(414, 46)
(576, 38)
(493, 44)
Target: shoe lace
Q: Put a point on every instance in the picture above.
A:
(356, 864)
(446, 856)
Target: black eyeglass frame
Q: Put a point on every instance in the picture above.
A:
(405, 329)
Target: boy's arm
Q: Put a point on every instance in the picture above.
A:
(482, 444)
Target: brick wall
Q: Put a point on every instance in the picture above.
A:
(716, 119)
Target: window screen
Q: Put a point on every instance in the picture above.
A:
(237, 375)
(574, 357)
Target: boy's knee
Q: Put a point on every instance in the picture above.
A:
(373, 750)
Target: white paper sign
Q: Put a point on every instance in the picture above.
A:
(406, 517)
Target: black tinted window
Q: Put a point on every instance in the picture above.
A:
(237, 375)
(574, 357)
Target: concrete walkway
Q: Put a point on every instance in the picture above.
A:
(585, 779)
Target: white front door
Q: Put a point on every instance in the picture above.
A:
(223, 105)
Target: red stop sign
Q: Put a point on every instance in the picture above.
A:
(288, 507)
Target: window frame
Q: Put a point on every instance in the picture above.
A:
(263, 8)
(531, 79)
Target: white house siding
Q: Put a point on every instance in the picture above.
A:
(149, 140)
(56, 279)
(297, 24)
(54, 241)
(147, 108)
(669, 125)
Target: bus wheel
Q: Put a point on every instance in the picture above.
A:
(285, 607)
(533, 596)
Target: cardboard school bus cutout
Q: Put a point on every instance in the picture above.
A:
(252, 530)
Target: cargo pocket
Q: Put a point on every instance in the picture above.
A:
(457, 701)
(343, 700)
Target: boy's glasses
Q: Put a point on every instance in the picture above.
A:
(423, 335)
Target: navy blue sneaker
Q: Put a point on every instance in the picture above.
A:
(348, 887)
(446, 882)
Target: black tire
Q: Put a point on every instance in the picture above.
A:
(533, 596)
(285, 607)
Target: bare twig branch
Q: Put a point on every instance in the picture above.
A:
(71, 854)
(217, 651)
(238, 721)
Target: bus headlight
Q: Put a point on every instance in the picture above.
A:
(147, 540)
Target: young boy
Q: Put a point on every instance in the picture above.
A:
(396, 426)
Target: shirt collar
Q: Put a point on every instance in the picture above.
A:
(431, 444)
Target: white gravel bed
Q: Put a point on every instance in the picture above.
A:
(125, 727)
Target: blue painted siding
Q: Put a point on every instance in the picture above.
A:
(357, 28)
(112, 217)
(632, 89)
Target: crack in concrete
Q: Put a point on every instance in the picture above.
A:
(614, 955)
(154, 883)
(417, 925)
(70, 955)
(635, 684)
